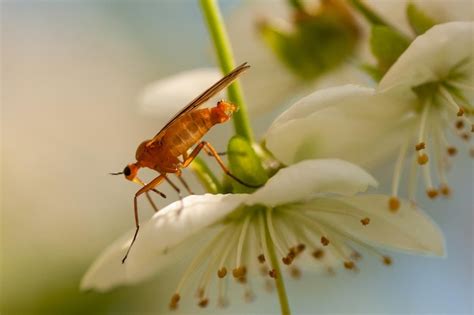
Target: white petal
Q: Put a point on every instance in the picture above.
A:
(409, 229)
(348, 122)
(167, 96)
(156, 240)
(305, 179)
(432, 55)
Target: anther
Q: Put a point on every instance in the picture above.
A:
(300, 248)
(459, 124)
(460, 112)
(287, 260)
(174, 301)
(420, 146)
(356, 255)
(432, 193)
(349, 265)
(422, 159)
(203, 303)
(444, 190)
(272, 273)
(465, 136)
(261, 258)
(452, 151)
(365, 221)
(393, 204)
(295, 273)
(324, 241)
(387, 260)
(239, 272)
(318, 253)
(221, 273)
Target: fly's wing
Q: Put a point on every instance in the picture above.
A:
(205, 96)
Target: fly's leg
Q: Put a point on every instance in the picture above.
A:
(139, 181)
(178, 191)
(144, 189)
(210, 150)
(185, 184)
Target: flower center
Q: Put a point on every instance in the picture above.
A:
(240, 248)
(443, 106)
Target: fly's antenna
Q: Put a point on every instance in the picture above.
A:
(118, 173)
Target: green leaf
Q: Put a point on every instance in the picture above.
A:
(245, 165)
(387, 45)
(419, 21)
(374, 72)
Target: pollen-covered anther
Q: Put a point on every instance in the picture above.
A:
(272, 273)
(459, 124)
(300, 248)
(221, 273)
(203, 303)
(460, 112)
(422, 159)
(318, 254)
(261, 258)
(239, 272)
(174, 301)
(387, 260)
(349, 265)
(393, 204)
(287, 260)
(324, 241)
(420, 146)
(444, 190)
(452, 151)
(432, 193)
(295, 272)
(365, 221)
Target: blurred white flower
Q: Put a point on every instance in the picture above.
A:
(310, 207)
(427, 90)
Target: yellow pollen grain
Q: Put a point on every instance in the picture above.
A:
(422, 159)
(365, 221)
(452, 151)
(349, 265)
(324, 241)
(445, 190)
(318, 253)
(393, 204)
(387, 260)
(203, 303)
(420, 146)
(432, 193)
(221, 273)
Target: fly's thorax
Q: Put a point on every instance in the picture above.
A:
(222, 112)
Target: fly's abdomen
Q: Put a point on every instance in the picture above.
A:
(187, 131)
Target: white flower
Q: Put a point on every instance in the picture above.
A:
(427, 90)
(308, 209)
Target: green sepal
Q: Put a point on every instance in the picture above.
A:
(245, 165)
(419, 21)
(387, 45)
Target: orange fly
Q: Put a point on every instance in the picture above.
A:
(167, 152)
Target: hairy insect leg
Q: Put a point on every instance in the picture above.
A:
(144, 189)
(210, 150)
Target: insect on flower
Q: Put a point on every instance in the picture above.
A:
(174, 140)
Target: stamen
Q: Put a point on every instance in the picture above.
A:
(241, 241)
(203, 303)
(272, 233)
(263, 237)
(174, 301)
(459, 124)
(365, 221)
(295, 272)
(393, 202)
(387, 260)
(318, 253)
(432, 193)
(420, 146)
(324, 241)
(422, 158)
(450, 101)
(261, 258)
(452, 151)
(445, 190)
(424, 118)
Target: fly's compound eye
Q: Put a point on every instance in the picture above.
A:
(126, 171)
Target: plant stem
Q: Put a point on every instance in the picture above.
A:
(368, 13)
(223, 48)
(206, 176)
(297, 5)
(280, 284)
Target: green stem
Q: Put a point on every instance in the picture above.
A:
(297, 5)
(280, 284)
(206, 176)
(368, 13)
(223, 48)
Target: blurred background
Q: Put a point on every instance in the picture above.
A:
(71, 75)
